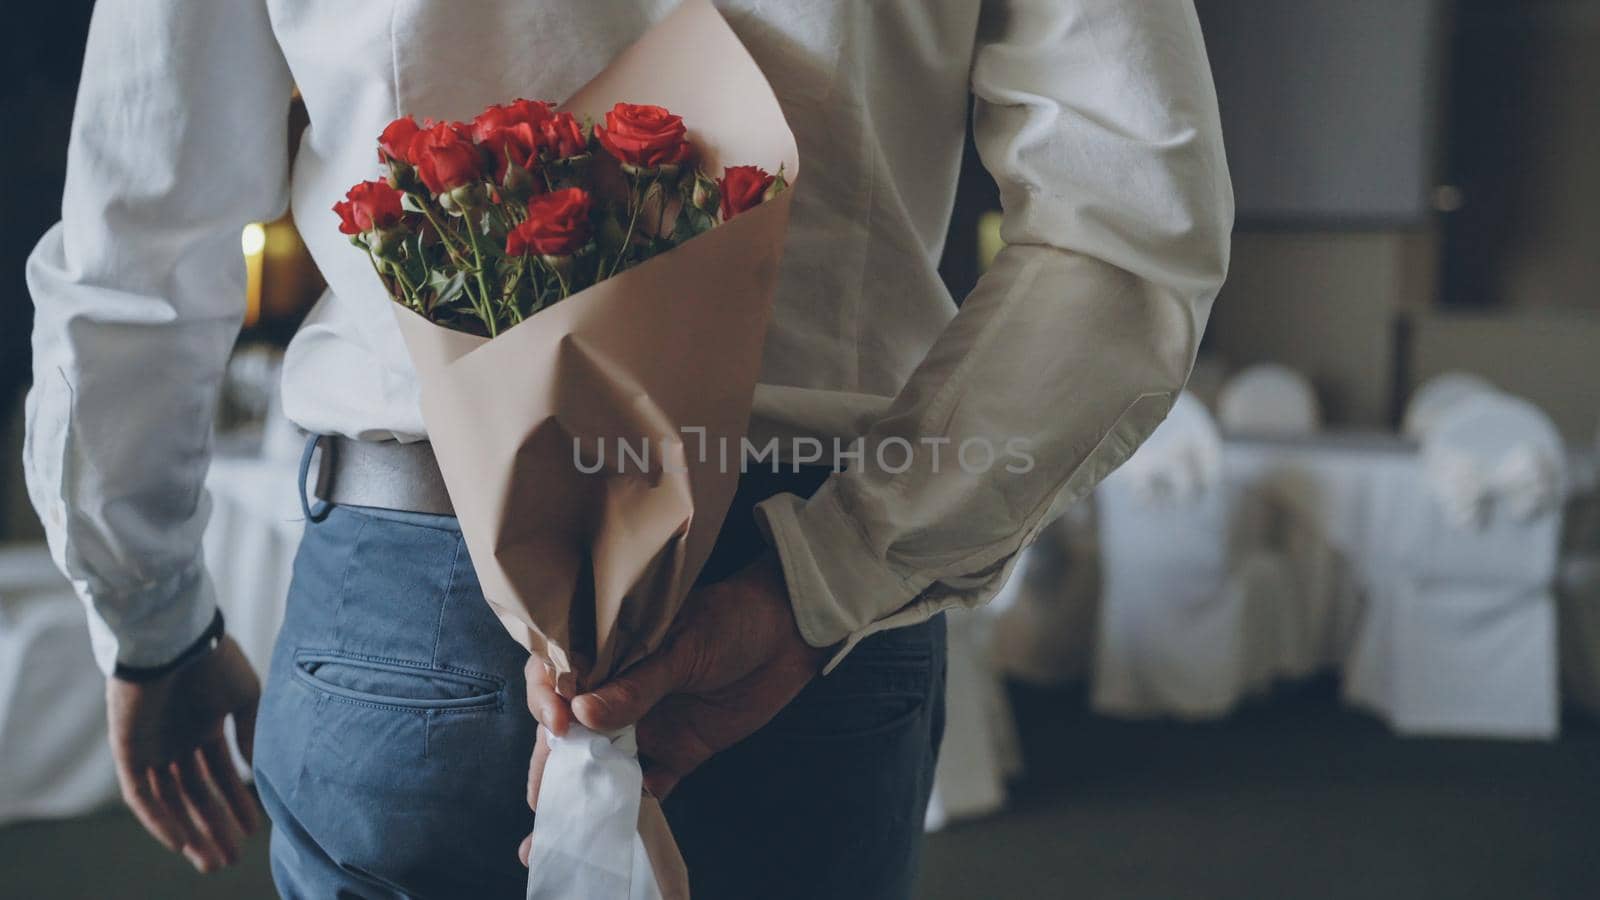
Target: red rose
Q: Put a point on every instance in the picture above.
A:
(562, 136)
(557, 225)
(511, 132)
(446, 158)
(369, 205)
(644, 137)
(517, 112)
(395, 142)
(743, 187)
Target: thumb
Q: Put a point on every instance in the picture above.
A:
(625, 699)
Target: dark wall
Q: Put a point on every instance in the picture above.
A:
(1330, 108)
(1524, 120)
(40, 77)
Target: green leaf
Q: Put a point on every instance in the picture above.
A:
(448, 289)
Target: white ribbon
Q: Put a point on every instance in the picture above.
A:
(1525, 483)
(586, 840)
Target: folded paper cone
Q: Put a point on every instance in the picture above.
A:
(592, 451)
(589, 568)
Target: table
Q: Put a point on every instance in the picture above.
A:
(250, 543)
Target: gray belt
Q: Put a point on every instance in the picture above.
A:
(381, 474)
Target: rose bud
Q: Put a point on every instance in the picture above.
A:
(518, 183)
(394, 144)
(645, 139)
(561, 137)
(557, 226)
(385, 243)
(743, 188)
(705, 196)
(394, 152)
(465, 198)
(779, 185)
(369, 206)
(446, 158)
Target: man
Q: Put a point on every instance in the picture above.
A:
(392, 720)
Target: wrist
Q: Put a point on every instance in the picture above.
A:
(204, 644)
(765, 576)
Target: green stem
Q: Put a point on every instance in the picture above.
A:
(406, 287)
(565, 292)
(485, 311)
(509, 298)
(445, 235)
(636, 205)
(411, 289)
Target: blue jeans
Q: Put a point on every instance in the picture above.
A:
(393, 740)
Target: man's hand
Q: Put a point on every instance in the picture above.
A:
(732, 661)
(172, 755)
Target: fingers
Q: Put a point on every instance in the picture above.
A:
(669, 751)
(218, 836)
(541, 753)
(139, 792)
(198, 807)
(624, 700)
(190, 841)
(549, 708)
(219, 769)
(658, 783)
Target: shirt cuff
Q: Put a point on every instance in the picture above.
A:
(153, 625)
(837, 587)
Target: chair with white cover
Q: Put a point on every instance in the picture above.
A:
(1436, 396)
(1269, 400)
(1040, 629)
(1578, 585)
(1293, 567)
(980, 751)
(53, 751)
(1182, 628)
(1043, 620)
(1458, 635)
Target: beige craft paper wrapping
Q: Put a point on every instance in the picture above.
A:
(589, 570)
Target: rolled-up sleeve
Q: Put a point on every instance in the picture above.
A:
(178, 140)
(1098, 120)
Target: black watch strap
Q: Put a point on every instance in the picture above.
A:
(204, 644)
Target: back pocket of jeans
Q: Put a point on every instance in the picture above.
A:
(884, 685)
(395, 684)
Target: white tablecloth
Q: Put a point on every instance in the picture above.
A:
(54, 760)
(1348, 487)
(1578, 587)
(250, 544)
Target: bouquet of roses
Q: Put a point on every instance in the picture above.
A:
(480, 225)
(570, 279)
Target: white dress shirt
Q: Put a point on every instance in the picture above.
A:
(1097, 118)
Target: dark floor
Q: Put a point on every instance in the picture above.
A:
(1294, 799)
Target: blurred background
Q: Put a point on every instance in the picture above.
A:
(1334, 632)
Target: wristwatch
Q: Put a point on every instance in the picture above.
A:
(208, 641)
